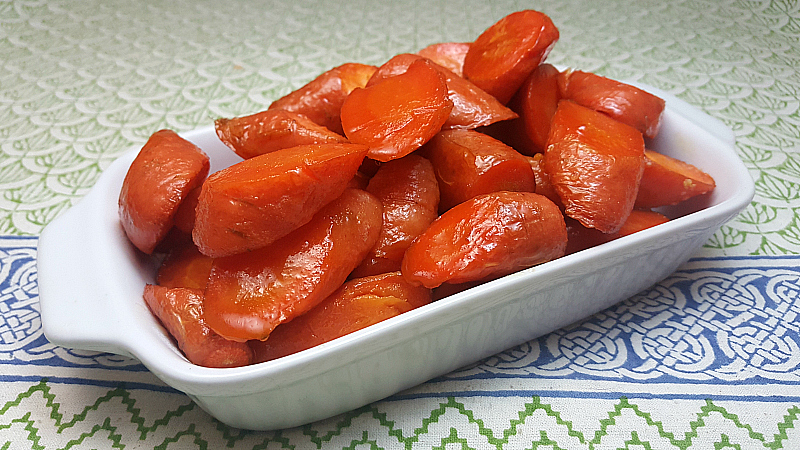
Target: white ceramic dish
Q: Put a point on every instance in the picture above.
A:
(91, 281)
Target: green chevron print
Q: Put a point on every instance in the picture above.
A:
(110, 419)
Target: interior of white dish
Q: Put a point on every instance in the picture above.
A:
(89, 240)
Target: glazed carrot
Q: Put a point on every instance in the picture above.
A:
(321, 99)
(628, 104)
(535, 103)
(581, 238)
(487, 237)
(248, 295)
(472, 107)
(166, 169)
(185, 215)
(543, 184)
(468, 163)
(184, 266)
(399, 114)
(252, 203)
(358, 304)
(449, 55)
(271, 130)
(408, 190)
(668, 181)
(507, 52)
(180, 310)
(595, 164)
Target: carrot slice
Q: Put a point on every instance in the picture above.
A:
(248, 295)
(595, 164)
(536, 103)
(449, 55)
(409, 192)
(472, 107)
(358, 304)
(507, 52)
(180, 310)
(628, 104)
(468, 163)
(399, 114)
(271, 130)
(166, 169)
(543, 184)
(321, 99)
(669, 181)
(581, 238)
(252, 203)
(487, 237)
(184, 267)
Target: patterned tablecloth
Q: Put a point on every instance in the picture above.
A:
(708, 358)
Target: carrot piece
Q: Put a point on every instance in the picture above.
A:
(543, 184)
(595, 164)
(184, 267)
(185, 215)
(487, 237)
(409, 192)
(581, 238)
(180, 310)
(507, 52)
(535, 103)
(399, 114)
(271, 130)
(669, 181)
(628, 104)
(166, 169)
(468, 163)
(449, 55)
(358, 304)
(321, 99)
(472, 107)
(248, 295)
(252, 203)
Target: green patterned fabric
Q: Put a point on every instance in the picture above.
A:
(81, 82)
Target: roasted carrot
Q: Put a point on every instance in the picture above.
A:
(468, 163)
(669, 181)
(166, 169)
(628, 104)
(507, 52)
(252, 203)
(535, 103)
(595, 164)
(399, 114)
(409, 192)
(180, 310)
(581, 238)
(271, 130)
(248, 295)
(184, 266)
(321, 99)
(487, 237)
(358, 304)
(447, 54)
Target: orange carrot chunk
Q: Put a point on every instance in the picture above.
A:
(409, 192)
(507, 52)
(669, 181)
(536, 103)
(321, 99)
(166, 169)
(184, 267)
(271, 130)
(628, 104)
(581, 238)
(252, 203)
(468, 163)
(358, 304)
(595, 164)
(449, 55)
(399, 114)
(487, 237)
(248, 295)
(472, 107)
(180, 310)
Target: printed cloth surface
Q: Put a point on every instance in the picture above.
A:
(707, 358)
